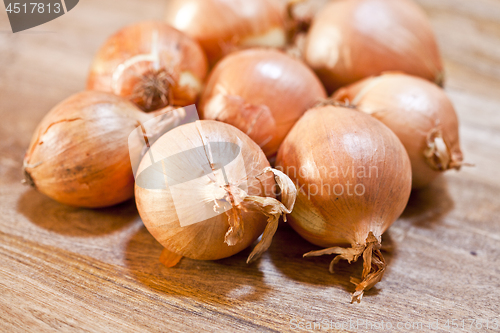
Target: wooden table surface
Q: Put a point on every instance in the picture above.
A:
(72, 269)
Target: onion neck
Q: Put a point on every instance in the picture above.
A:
(268, 206)
(234, 234)
(440, 78)
(373, 268)
(28, 180)
(272, 208)
(457, 161)
(296, 25)
(438, 154)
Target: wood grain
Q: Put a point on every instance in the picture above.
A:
(70, 269)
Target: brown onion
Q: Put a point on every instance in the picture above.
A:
(205, 192)
(420, 114)
(353, 39)
(151, 64)
(353, 177)
(222, 26)
(79, 154)
(262, 92)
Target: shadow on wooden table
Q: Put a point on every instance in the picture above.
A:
(228, 280)
(429, 205)
(71, 221)
(224, 281)
(314, 270)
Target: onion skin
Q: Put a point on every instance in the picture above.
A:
(419, 112)
(353, 39)
(222, 26)
(205, 240)
(79, 154)
(262, 92)
(151, 64)
(345, 140)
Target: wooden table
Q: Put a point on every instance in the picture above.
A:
(71, 269)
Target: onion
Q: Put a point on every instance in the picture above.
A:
(419, 113)
(354, 179)
(151, 64)
(206, 191)
(261, 92)
(79, 154)
(353, 39)
(223, 26)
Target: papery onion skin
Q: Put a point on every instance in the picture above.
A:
(152, 64)
(222, 26)
(416, 110)
(353, 39)
(353, 177)
(262, 92)
(344, 138)
(204, 240)
(79, 154)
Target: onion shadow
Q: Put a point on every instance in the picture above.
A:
(427, 206)
(290, 262)
(225, 281)
(73, 221)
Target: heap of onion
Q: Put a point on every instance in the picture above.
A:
(262, 92)
(353, 39)
(353, 177)
(420, 114)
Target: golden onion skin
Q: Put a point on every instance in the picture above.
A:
(414, 109)
(353, 39)
(152, 64)
(204, 240)
(262, 92)
(223, 26)
(327, 137)
(79, 154)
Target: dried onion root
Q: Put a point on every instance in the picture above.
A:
(354, 179)
(151, 64)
